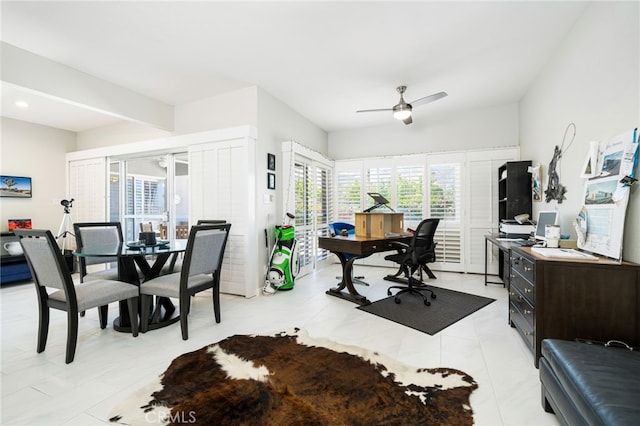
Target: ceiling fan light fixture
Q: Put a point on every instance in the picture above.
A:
(402, 112)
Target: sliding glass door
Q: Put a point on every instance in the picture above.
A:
(150, 193)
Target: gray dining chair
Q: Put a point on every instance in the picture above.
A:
(55, 289)
(92, 234)
(176, 264)
(201, 269)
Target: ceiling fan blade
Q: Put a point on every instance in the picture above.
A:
(428, 99)
(407, 120)
(375, 110)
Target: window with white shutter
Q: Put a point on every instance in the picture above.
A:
(410, 192)
(445, 203)
(348, 191)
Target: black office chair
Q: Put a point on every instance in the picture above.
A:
(336, 228)
(415, 256)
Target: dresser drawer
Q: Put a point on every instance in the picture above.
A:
(522, 325)
(525, 288)
(519, 305)
(523, 266)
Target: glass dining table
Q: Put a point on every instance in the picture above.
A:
(136, 264)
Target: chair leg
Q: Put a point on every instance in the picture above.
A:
(103, 314)
(72, 335)
(428, 271)
(43, 328)
(216, 300)
(144, 309)
(184, 312)
(132, 304)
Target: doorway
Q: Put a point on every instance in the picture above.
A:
(150, 194)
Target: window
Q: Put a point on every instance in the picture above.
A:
(410, 192)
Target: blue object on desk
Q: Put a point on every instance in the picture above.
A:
(336, 228)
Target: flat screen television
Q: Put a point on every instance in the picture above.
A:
(545, 218)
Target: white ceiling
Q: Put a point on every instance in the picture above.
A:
(324, 59)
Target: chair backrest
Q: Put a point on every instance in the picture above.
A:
(48, 267)
(92, 234)
(423, 245)
(210, 222)
(146, 227)
(337, 227)
(205, 250)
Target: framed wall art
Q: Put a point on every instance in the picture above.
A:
(271, 162)
(15, 186)
(271, 180)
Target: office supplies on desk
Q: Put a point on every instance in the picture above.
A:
(563, 253)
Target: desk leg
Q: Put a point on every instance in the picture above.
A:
(486, 260)
(353, 295)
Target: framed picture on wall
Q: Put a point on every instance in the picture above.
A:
(15, 186)
(271, 162)
(271, 180)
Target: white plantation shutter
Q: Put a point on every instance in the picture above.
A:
(483, 206)
(311, 185)
(378, 179)
(348, 190)
(445, 203)
(410, 192)
(88, 187)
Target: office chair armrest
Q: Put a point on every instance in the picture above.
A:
(399, 245)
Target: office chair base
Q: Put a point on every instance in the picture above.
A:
(413, 290)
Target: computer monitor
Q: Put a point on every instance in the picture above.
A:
(544, 219)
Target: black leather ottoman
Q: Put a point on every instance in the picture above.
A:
(590, 384)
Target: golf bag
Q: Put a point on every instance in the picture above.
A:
(284, 263)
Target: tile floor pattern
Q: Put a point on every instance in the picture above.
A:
(39, 389)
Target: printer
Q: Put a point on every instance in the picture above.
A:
(515, 229)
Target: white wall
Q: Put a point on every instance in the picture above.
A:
(232, 109)
(38, 152)
(593, 81)
(277, 123)
(485, 128)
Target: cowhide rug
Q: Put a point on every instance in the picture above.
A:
(290, 378)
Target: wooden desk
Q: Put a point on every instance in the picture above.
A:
(356, 247)
(505, 246)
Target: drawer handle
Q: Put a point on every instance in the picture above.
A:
(527, 312)
(512, 294)
(528, 269)
(528, 333)
(528, 290)
(512, 311)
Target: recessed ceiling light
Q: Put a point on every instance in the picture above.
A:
(22, 104)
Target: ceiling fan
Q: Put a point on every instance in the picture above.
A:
(402, 111)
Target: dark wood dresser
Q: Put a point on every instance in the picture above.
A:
(567, 299)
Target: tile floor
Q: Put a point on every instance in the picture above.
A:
(39, 389)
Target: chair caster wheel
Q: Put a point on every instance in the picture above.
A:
(427, 303)
(397, 300)
(433, 296)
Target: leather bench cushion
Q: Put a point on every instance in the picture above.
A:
(603, 383)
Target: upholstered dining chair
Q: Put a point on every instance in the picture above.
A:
(412, 257)
(55, 289)
(92, 234)
(146, 227)
(210, 222)
(201, 269)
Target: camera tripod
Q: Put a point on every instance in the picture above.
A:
(63, 231)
